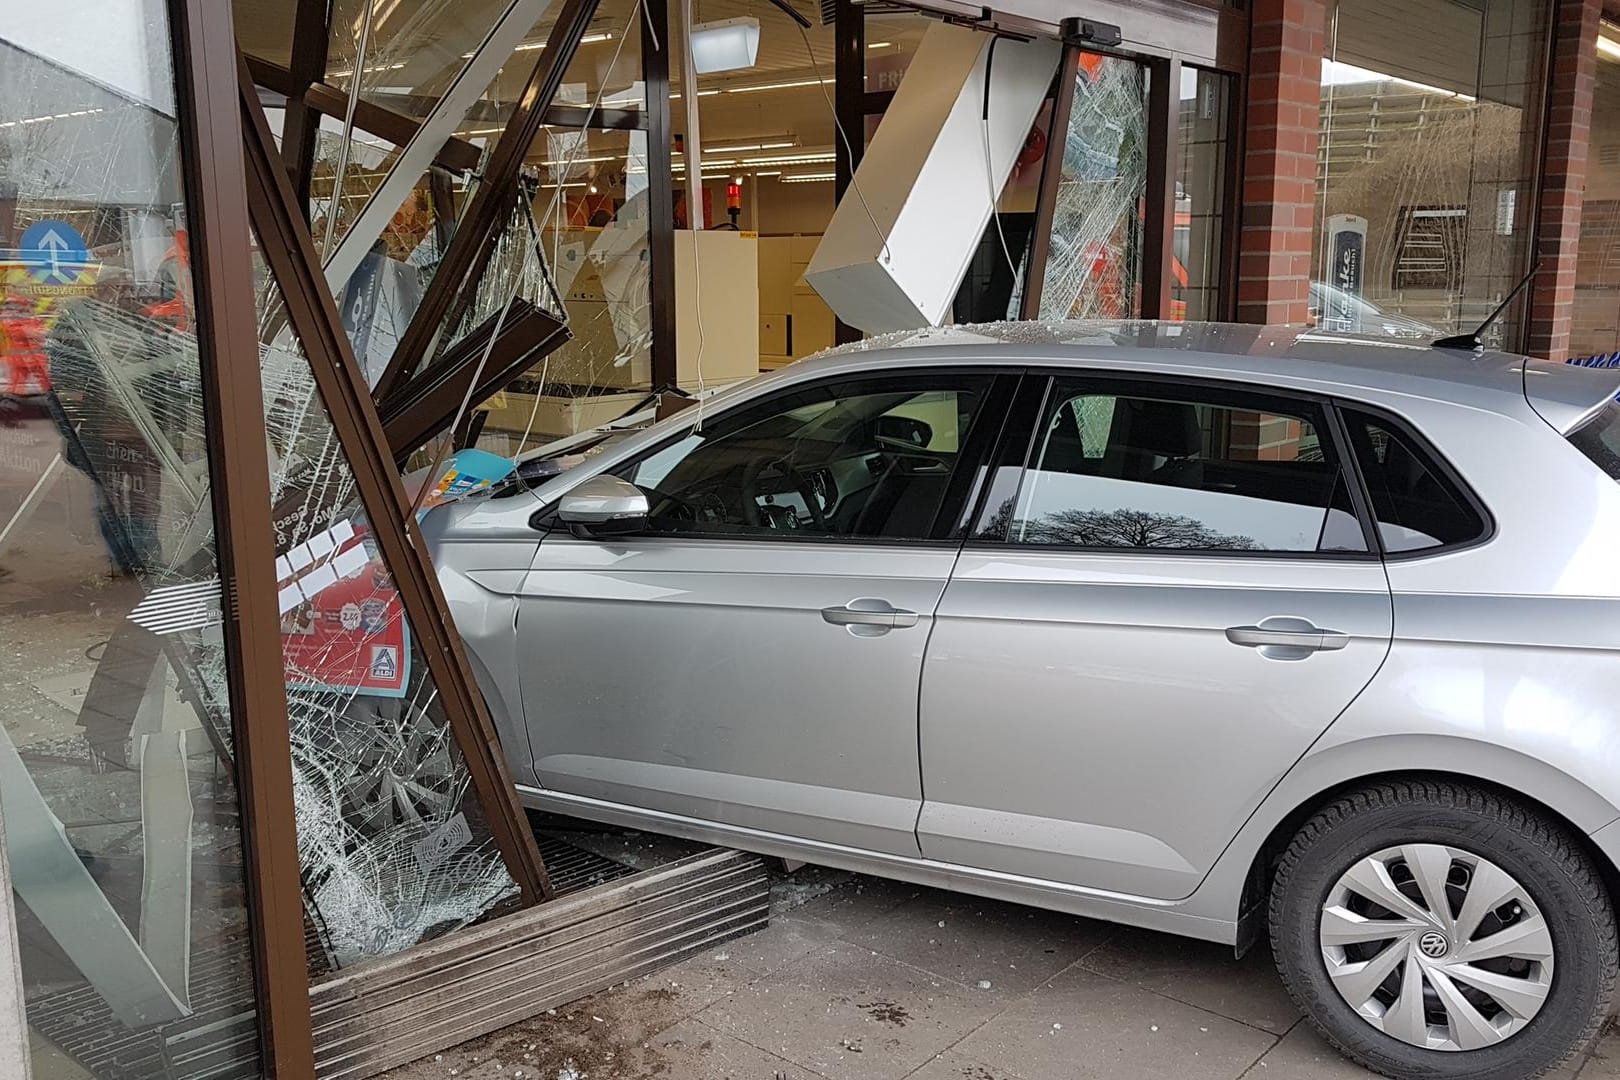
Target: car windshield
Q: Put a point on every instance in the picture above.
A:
(1599, 440)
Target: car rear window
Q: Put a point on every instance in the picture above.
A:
(1599, 440)
(1417, 504)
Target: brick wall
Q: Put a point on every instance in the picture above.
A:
(1569, 120)
(1279, 160)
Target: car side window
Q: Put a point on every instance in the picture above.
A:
(864, 458)
(1161, 467)
(1414, 499)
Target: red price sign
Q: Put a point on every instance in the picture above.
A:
(342, 624)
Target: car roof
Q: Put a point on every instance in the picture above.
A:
(1284, 356)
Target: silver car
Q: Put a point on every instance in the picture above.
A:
(1224, 631)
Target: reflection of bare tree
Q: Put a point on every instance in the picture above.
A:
(1128, 528)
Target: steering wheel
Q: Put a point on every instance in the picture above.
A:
(749, 486)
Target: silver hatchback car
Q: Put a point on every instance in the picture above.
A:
(1217, 630)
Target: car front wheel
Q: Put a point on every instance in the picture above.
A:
(1436, 930)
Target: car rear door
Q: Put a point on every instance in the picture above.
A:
(748, 660)
(1150, 624)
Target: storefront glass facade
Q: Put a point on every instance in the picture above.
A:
(129, 841)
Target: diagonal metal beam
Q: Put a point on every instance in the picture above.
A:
(312, 34)
(428, 403)
(474, 241)
(456, 154)
(464, 92)
(373, 118)
(289, 251)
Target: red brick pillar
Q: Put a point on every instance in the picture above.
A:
(1279, 160)
(1563, 177)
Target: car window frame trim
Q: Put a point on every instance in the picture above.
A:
(1334, 436)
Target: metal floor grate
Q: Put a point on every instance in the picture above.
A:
(218, 1042)
(574, 868)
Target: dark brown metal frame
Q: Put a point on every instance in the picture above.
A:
(852, 104)
(428, 404)
(474, 243)
(1163, 149)
(289, 252)
(660, 190)
(318, 99)
(1232, 206)
(1040, 243)
(312, 35)
(227, 330)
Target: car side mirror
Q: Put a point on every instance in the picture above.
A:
(604, 506)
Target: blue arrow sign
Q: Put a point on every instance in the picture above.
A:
(53, 252)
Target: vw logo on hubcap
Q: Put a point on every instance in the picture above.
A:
(1433, 944)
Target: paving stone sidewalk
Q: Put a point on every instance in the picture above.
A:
(862, 979)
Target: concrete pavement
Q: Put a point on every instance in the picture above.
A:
(862, 979)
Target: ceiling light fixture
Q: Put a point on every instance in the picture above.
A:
(532, 46)
(53, 116)
(725, 45)
(1608, 47)
(808, 178)
(735, 148)
(792, 159)
(775, 86)
(368, 69)
(580, 160)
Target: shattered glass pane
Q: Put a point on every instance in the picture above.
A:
(394, 845)
(1094, 270)
(386, 288)
(516, 269)
(123, 828)
(412, 51)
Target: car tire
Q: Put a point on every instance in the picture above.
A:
(1427, 1015)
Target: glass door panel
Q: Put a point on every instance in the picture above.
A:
(1094, 269)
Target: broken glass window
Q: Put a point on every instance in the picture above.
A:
(394, 845)
(1094, 269)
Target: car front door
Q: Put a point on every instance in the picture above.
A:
(752, 658)
(1149, 626)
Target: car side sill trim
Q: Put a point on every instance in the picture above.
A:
(1146, 912)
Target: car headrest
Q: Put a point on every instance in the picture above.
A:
(1166, 428)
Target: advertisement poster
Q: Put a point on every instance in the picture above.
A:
(342, 624)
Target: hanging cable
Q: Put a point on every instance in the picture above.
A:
(989, 165)
(335, 203)
(843, 135)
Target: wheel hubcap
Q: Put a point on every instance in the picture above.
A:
(1437, 947)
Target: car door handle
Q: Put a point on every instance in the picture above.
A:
(1285, 637)
(868, 611)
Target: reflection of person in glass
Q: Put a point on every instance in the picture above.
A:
(99, 437)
